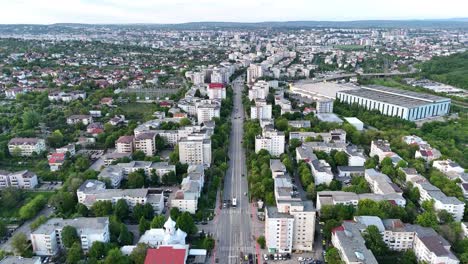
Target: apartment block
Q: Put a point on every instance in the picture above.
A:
(92, 191)
(145, 142)
(26, 146)
(261, 110)
(271, 140)
(125, 144)
(195, 151)
(21, 179)
(46, 240)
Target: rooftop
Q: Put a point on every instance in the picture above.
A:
(395, 96)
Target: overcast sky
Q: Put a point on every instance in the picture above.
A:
(179, 11)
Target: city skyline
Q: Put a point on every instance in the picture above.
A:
(183, 11)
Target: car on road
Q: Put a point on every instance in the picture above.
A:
(265, 257)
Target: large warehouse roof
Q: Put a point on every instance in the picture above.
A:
(395, 96)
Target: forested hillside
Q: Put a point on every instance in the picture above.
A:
(451, 69)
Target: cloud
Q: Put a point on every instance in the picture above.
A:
(177, 11)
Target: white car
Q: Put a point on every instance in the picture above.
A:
(265, 257)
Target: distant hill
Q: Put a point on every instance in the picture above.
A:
(430, 23)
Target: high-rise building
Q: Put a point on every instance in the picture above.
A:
(195, 151)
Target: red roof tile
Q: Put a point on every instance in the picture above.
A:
(165, 255)
(215, 85)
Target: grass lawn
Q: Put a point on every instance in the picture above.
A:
(138, 110)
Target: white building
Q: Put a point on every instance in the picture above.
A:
(381, 148)
(347, 239)
(26, 146)
(394, 102)
(195, 151)
(145, 142)
(278, 231)
(114, 174)
(206, 112)
(124, 144)
(92, 191)
(186, 199)
(272, 141)
(334, 136)
(450, 168)
(350, 198)
(47, 239)
(75, 119)
(160, 168)
(216, 91)
(380, 183)
(259, 90)
(261, 110)
(356, 123)
(169, 235)
(291, 224)
(254, 72)
(324, 106)
(20, 179)
(428, 191)
(429, 247)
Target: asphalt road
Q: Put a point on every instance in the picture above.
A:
(232, 226)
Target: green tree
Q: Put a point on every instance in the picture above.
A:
(374, 241)
(341, 158)
(136, 180)
(121, 210)
(409, 257)
(158, 221)
(143, 225)
(97, 250)
(3, 229)
(185, 122)
(30, 119)
(55, 139)
(333, 256)
(125, 236)
(74, 254)
(445, 217)
(427, 219)
(19, 242)
(33, 207)
(138, 254)
(261, 241)
(208, 243)
(64, 202)
(175, 213)
(69, 236)
(328, 227)
(102, 208)
(186, 224)
(281, 124)
(114, 256)
(82, 210)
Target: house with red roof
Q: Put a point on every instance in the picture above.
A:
(216, 91)
(56, 161)
(170, 254)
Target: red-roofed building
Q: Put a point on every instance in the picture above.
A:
(215, 85)
(175, 254)
(216, 91)
(56, 160)
(165, 104)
